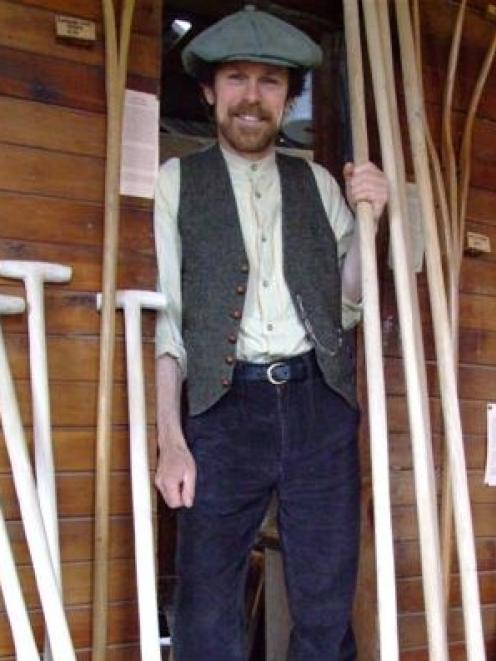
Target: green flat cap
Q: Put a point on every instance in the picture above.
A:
(255, 36)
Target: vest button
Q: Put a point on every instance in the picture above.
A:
(229, 359)
(244, 268)
(236, 314)
(232, 338)
(226, 383)
(240, 289)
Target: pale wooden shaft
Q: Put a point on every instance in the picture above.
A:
(444, 347)
(384, 550)
(132, 301)
(34, 275)
(58, 631)
(414, 362)
(15, 606)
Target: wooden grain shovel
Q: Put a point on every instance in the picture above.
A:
(413, 355)
(46, 580)
(34, 275)
(384, 551)
(132, 302)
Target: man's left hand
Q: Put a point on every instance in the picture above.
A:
(366, 183)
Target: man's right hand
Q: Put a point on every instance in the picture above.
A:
(175, 477)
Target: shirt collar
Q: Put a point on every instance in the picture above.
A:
(239, 165)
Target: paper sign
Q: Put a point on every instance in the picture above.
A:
(139, 166)
(490, 477)
(414, 234)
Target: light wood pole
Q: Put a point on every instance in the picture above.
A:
(115, 74)
(376, 392)
(443, 341)
(15, 606)
(413, 355)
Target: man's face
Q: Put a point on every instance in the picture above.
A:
(249, 99)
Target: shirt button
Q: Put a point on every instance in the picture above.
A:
(244, 268)
(264, 238)
(270, 327)
(265, 283)
(254, 167)
(226, 383)
(258, 194)
(232, 338)
(240, 289)
(229, 359)
(236, 314)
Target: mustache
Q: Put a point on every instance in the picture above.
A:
(254, 109)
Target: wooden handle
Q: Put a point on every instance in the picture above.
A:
(384, 551)
(46, 580)
(17, 613)
(132, 303)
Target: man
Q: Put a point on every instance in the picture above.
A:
(259, 257)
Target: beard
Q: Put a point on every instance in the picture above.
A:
(244, 136)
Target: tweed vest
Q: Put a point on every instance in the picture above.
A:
(215, 271)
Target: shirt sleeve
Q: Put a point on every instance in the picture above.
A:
(342, 223)
(168, 337)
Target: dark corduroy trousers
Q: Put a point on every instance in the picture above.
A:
(299, 440)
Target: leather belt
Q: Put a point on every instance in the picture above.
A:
(297, 368)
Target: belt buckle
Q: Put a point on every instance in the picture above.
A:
(270, 376)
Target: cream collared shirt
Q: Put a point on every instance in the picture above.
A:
(270, 327)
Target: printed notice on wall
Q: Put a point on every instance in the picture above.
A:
(139, 167)
(490, 477)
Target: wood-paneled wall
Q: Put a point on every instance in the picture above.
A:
(52, 151)
(477, 372)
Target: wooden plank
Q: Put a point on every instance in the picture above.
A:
(129, 652)
(69, 313)
(51, 220)
(27, 170)
(473, 415)
(76, 538)
(411, 599)
(456, 652)
(74, 404)
(123, 625)
(32, 30)
(51, 127)
(403, 488)
(400, 452)
(407, 556)
(405, 521)
(74, 358)
(75, 495)
(76, 580)
(481, 205)
(438, 19)
(146, 18)
(74, 449)
(136, 271)
(477, 312)
(434, 81)
(413, 632)
(476, 382)
(476, 347)
(51, 80)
